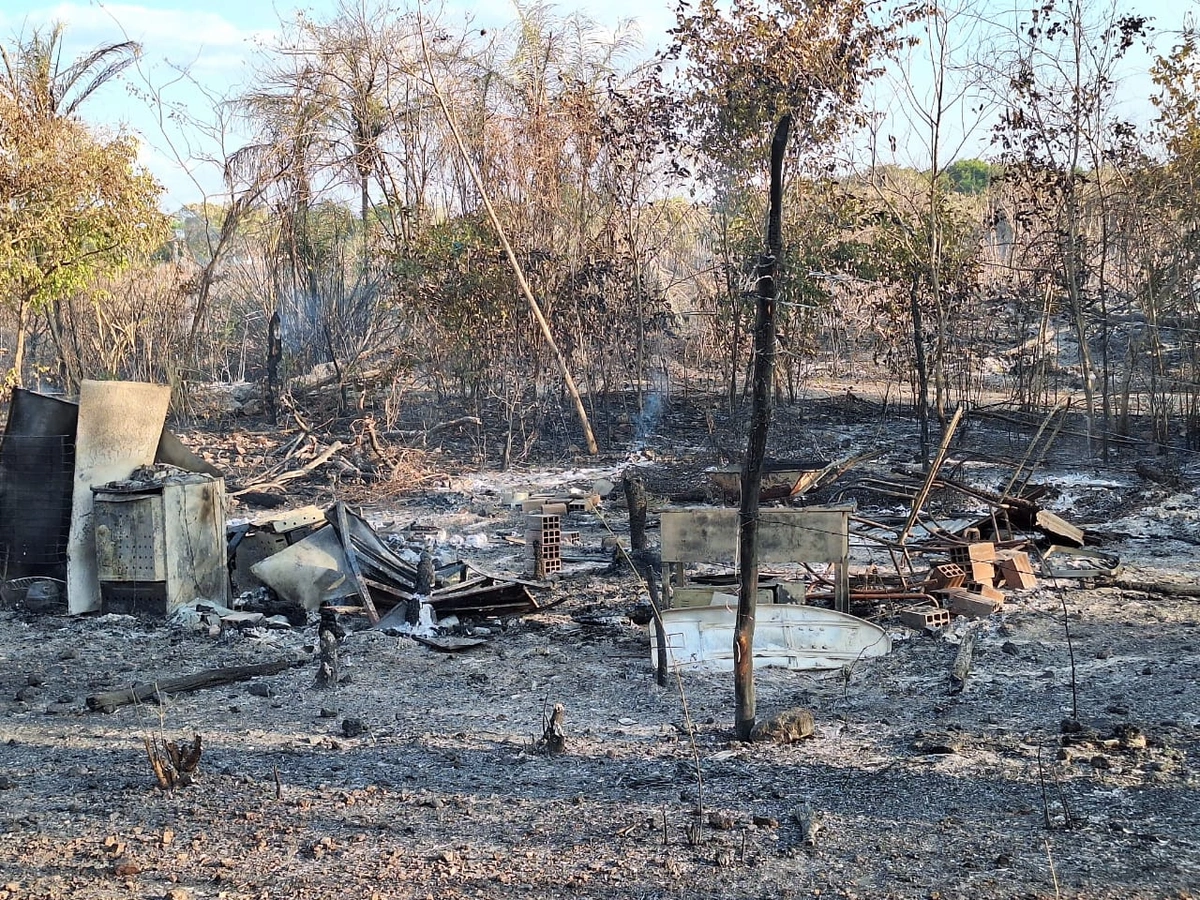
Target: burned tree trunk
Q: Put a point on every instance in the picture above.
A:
(756, 445)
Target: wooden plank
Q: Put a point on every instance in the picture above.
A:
(1058, 527)
(923, 493)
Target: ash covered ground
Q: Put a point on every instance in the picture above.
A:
(419, 776)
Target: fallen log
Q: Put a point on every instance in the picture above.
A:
(426, 433)
(140, 693)
(277, 481)
(1163, 588)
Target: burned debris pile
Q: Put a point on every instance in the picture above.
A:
(313, 558)
(135, 523)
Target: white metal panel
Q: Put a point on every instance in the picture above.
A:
(785, 636)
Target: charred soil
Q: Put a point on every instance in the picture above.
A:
(1066, 767)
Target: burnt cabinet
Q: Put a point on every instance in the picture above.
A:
(161, 546)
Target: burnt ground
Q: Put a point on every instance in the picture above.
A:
(443, 793)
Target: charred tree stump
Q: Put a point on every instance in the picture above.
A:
(329, 638)
(756, 445)
(173, 765)
(554, 736)
(962, 663)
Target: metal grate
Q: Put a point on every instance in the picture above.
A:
(36, 474)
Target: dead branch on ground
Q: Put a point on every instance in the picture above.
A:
(140, 693)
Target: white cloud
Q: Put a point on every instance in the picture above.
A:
(205, 42)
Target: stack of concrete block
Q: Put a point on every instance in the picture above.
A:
(543, 543)
(970, 583)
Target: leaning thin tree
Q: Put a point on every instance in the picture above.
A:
(756, 447)
(534, 307)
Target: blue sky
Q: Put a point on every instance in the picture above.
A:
(216, 43)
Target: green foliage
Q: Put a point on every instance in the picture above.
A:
(969, 176)
(742, 69)
(76, 206)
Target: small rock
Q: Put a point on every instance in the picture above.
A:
(1010, 648)
(6, 783)
(1099, 761)
(1104, 653)
(259, 689)
(329, 712)
(936, 742)
(352, 727)
(790, 725)
(35, 679)
(178, 893)
(765, 822)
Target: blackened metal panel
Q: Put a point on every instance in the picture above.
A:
(37, 460)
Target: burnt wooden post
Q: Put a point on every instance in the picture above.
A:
(274, 356)
(635, 499)
(426, 579)
(329, 636)
(756, 445)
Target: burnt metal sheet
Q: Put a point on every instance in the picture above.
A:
(492, 598)
(309, 572)
(119, 426)
(172, 451)
(37, 462)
